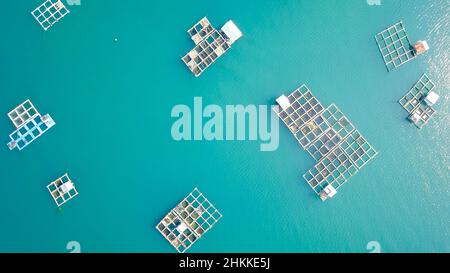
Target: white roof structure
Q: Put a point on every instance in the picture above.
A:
(50, 12)
(66, 187)
(181, 228)
(425, 45)
(421, 47)
(328, 192)
(432, 98)
(283, 101)
(232, 31)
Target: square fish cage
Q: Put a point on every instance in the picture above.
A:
(62, 190)
(395, 46)
(188, 221)
(49, 13)
(415, 102)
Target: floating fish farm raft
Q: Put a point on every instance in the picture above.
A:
(49, 13)
(210, 44)
(189, 221)
(62, 190)
(29, 124)
(396, 47)
(419, 101)
(328, 136)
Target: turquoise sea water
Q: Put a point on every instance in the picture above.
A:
(112, 101)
